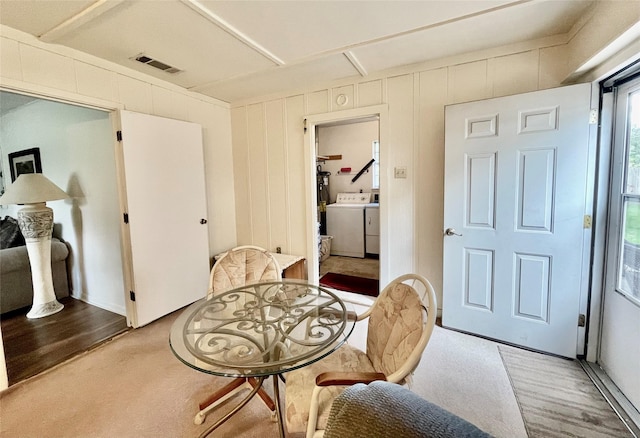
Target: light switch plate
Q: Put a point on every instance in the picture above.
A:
(400, 172)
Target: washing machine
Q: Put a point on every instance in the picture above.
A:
(345, 222)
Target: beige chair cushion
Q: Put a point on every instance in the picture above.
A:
(241, 267)
(395, 326)
(300, 384)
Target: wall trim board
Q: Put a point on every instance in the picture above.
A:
(55, 94)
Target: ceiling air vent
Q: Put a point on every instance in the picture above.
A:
(157, 64)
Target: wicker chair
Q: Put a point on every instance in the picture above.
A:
(400, 323)
(240, 266)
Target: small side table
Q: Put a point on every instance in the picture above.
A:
(293, 267)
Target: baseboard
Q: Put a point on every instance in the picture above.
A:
(119, 310)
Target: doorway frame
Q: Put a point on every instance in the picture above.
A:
(113, 109)
(70, 98)
(310, 123)
(601, 192)
(601, 251)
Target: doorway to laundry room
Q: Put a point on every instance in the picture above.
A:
(348, 198)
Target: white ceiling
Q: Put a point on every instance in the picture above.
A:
(232, 50)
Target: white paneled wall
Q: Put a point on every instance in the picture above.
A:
(399, 194)
(259, 172)
(268, 153)
(429, 192)
(513, 74)
(276, 158)
(317, 102)
(297, 190)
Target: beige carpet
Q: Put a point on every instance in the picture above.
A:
(367, 268)
(133, 386)
(558, 399)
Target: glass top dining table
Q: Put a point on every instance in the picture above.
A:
(259, 330)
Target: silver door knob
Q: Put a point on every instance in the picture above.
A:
(451, 232)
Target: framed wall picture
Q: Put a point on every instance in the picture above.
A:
(26, 161)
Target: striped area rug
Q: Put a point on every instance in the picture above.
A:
(557, 398)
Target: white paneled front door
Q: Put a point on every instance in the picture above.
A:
(515, 196)
(167, 210)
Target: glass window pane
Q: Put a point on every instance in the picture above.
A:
(633, 151)
(629, 269)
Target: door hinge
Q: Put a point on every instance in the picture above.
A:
(593, 116)
(586, 224)
(132, 295)
(125, 217)
(119, 135)
(304, 125)
(582, 320)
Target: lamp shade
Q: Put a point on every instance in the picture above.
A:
(32, 188)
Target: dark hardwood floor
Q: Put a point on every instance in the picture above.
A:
(34, 345)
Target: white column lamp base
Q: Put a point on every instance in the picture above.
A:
(46, 309)
(36, 224)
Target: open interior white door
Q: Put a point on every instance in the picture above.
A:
(166, 206)
(515, 194)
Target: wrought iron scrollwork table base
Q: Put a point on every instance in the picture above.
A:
(256, 331)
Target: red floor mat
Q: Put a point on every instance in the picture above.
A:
(350, 283)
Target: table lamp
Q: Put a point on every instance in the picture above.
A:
(35, 219)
